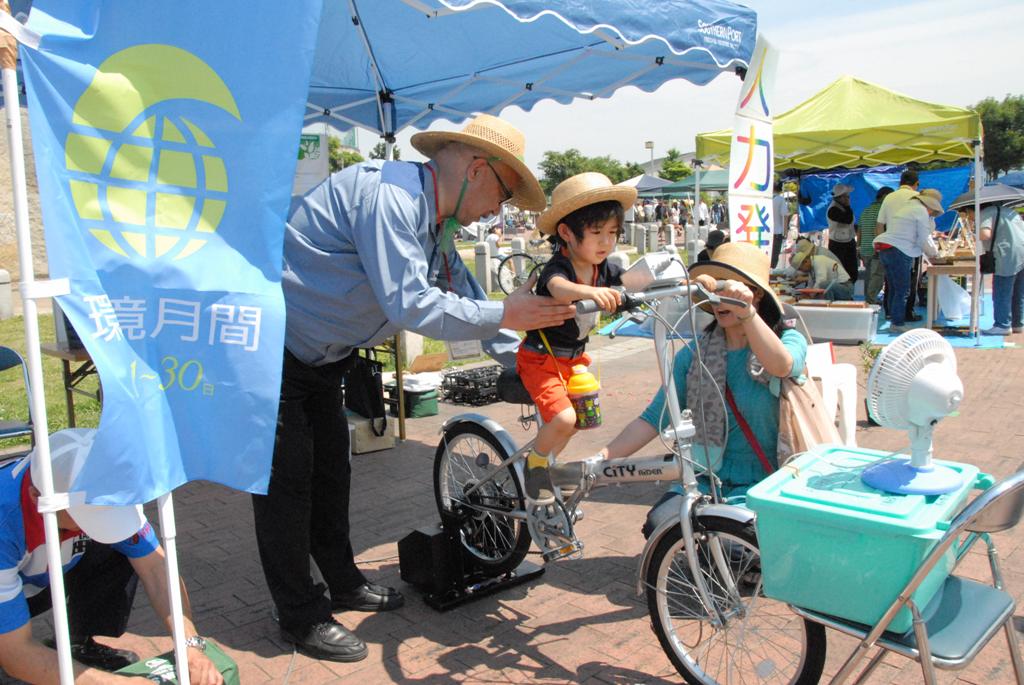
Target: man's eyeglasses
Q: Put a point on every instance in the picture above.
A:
(504, 188)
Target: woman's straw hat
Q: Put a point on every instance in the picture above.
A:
(579, 191)
(802, 253)
(740, 262)
(499, 139)
(932, 199)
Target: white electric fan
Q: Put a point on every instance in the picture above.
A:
(912, 385)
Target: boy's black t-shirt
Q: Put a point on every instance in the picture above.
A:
(571, 332)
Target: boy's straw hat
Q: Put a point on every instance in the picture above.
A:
(499, 139)
(740, 262)
(579, 191)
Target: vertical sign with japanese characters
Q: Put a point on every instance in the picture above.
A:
(165, 161)
(751, 155)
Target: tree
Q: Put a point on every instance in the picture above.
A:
(340, 157)
(380, 149)
(558, 166)
(674, 168)
(1003, 123)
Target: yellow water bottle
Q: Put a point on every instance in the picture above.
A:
(583, 391)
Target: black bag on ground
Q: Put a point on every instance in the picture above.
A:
(987, 261)
(364, 389)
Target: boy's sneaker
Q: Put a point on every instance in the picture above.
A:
(1018, 329)
(538, 485)
(896, 330)
(996, 330)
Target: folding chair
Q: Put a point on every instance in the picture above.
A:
(963, 615)
(12, 428)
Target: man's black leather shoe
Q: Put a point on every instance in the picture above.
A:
(90, 653)
(329, 641)
(368, 597)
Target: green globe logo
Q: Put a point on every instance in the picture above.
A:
(144, 178)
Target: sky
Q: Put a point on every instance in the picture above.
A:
(953, 52)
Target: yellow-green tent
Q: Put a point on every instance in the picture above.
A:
(854, 123)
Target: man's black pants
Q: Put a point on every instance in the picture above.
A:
(100, 590)
(302, 523)
(777, 240)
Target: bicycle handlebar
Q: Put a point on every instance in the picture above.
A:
(634, 300)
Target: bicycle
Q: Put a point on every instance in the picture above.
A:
(700, 568)
(515, 269)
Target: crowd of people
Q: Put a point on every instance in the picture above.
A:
(675, 215)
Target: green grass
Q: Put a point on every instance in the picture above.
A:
(13, 401)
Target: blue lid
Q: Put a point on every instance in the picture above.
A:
(826, 483)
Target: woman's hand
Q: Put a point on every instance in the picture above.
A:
(736, 290)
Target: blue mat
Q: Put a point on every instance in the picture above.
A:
(629, 330)
(882, 337)
(955, 332)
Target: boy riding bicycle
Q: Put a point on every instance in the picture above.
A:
(584, 222)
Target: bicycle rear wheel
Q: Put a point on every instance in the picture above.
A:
(761, 641)
(467, 452)
(514, 270)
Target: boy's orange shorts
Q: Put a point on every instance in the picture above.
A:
(539, 373)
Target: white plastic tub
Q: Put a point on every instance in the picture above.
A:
(840, 324)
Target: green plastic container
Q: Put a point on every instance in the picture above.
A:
(831, 544)
(417, 404)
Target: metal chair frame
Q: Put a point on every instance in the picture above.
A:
(10, 358)
(997, 509)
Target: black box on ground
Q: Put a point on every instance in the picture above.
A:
(426, 560)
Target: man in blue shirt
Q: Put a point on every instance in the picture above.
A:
(104, 551)
(368, 253)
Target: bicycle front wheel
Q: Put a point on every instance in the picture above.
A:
(497, 541)
(761, 640)
(514, 270)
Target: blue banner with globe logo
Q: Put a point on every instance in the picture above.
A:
(165, 137)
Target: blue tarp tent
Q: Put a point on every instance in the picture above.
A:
(388, 64)
(1013, 178)
(866, 182)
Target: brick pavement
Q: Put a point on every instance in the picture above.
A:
(581, 622)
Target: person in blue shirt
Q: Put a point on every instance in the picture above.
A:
(368, 253)
(746, 350)
(104, 552)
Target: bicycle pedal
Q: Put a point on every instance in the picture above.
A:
(572, 550)
(551, 530)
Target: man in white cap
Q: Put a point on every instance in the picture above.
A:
(842, 237)
(104, 550)
(368, 253)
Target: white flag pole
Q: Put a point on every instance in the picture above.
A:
(168, 533)
(49, 505)
(979, 283)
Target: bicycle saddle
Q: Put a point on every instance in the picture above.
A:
(511, 388)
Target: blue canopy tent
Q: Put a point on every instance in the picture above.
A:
(1012, 178)
(388, 64)
(866, 182)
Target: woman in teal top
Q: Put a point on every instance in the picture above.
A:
(746, 349)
